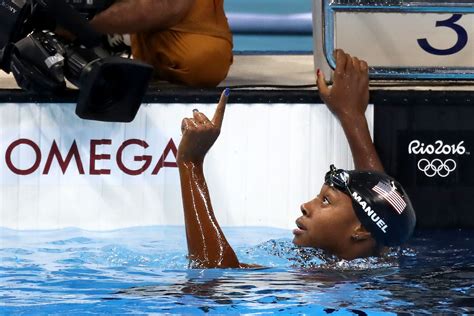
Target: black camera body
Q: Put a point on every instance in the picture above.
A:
(13, 14)
(110, 88)
(89, 8)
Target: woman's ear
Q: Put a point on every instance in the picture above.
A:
(360, 234)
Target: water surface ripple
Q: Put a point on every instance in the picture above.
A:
(145, 270)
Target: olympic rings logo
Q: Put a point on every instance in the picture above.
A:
(437, 167)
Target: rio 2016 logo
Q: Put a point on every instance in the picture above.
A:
(442, 166)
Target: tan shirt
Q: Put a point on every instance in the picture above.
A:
(206, 17)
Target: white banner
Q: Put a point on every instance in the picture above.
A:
(60, 171)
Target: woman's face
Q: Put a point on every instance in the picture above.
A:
(327, 221)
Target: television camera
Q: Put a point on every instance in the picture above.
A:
(110, 87)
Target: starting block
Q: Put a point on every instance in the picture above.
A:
(401, 40)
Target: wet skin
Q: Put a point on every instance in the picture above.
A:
(327, 221)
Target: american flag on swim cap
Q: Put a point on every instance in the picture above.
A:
(388, 193)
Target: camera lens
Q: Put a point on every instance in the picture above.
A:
(109, 90)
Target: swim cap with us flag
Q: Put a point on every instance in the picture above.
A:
(379, 201)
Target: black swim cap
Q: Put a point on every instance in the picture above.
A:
(379, 201)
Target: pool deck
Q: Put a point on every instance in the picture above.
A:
(285, 71)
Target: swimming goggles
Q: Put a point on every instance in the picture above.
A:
(337, 178)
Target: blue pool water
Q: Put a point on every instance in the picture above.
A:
(144, 270)
(268, 6)
(272, 43)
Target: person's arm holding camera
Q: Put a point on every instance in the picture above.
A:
(348, 99)
(132, 16)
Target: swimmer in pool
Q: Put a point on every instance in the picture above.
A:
(357, 213)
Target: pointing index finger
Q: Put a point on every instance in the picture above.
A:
(220, 110)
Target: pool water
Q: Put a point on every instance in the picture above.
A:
(145, 270)
(268, 6)
(270, 43)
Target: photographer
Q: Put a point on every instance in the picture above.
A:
(187, 41)
(45, 43)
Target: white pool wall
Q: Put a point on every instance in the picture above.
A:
(268, 159)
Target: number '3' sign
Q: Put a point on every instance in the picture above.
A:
(460, 43)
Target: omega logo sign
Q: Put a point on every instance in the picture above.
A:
(87, 163)
(441, 166)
